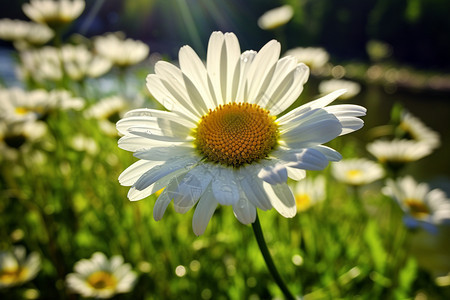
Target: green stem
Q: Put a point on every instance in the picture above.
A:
(268, 259)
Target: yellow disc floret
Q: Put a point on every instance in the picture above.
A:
(236, 133)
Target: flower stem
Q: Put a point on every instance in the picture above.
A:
(268, 259)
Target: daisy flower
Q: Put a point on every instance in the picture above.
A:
(327, 86)
(357, 171)
(418, 131)
(53, 12)
(24, 33)
(100, 277)
(308, 192)
(398, 151)
(221, 142)
(122, 52)
(276, 17)
(16, 267)
(422, 207)
(315, 58)
(108, 111)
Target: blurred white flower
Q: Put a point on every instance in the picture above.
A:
(78, 62)
(100, 277)
(51, 63)
(353, 88)
(41, 64)
(315, 58)
(53, 12)
(357, 171)
(308, 192)
(15, 133)
(422, 207)
(17, 268)
(108, 111)
(418, 131)
(81, 142)
(24, 33)
(276, 17)
(122, 52)
(398, 151)
(19, 104)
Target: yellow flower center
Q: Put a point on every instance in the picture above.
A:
(12, 275)
(352, 174)
(303, 202)
(101, 280)
(22, 110)
(417, 208)
(236, 133)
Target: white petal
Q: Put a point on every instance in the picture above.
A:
(330, 154)
(191, 187)
(319, 103)
(273, 172)
(131, 174)
(281, 198)
(157, 135)
(288, 90)
(134, 143)
(162, 91)
(165, 126)
(296, 174)
(242, 69)
(147, 112)
(321, 129)
(225, 187)
(262, 69)
(165, 153)
(233, 53)
(166, 197)
(306, 159)
(203, 212)
(193, 67)
(244, 210)
(350, 124)
(253, 187)
(216, 64)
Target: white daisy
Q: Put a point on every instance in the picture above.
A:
(314, 57)
(100, 277)
(220, 141)
(308, 192)
(276, 17)
(418, 131)
(53, 12)
(423, 207)
(19, 104)
(108, 111)
(357, 171)
(327, 86)
(78, 62)
(17, 268)
(24, 33)
(41, 65)
(398, 151)
(122, 52)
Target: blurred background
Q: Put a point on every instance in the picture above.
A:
(67, 203)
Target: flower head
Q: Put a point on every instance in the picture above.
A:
(276, 17)
(308, 192)
(24, 33)
(100, 277)
(398, 151)
(422, 206)
(357, 171)
(53, 12)
(17, 268)
(122, 52)
(221, 142)
(315, 58)
(108, 111)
